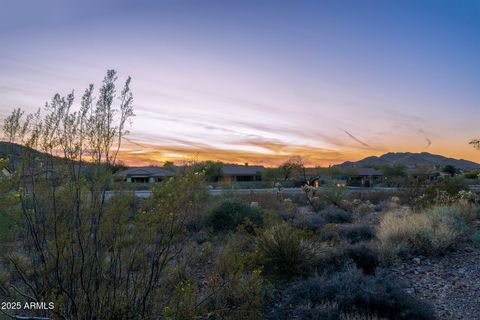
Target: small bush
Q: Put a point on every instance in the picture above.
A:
(319, 198)
(329, 233)
(429, 232)
(450, 216)
(333, 214)
(356, 232)
(374, 197)
(284, 252)
(359, 206)
(469, 211)
(333, 260)
(363, 255)
(441, 193)
(308, 220)
(228, 214)
(475, 239)
(351, 292)
(365, 207)
(232, 285)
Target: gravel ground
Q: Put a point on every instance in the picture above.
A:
(451, 283)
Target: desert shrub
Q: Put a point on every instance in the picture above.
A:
(357, 205)
(233, 286)
(475, 239)
(268, 201)
(319, 198)
(351, 292)
(333, 214)
(429, 232)
(451, 216)
(350, 233)
(395, 231)
(374, 197)
(332, 194)
(467, 196)
(476, 213)
(474, 174)
(298, 199)
(356, 232)
(284, 252)
(228, 214)
(309, 220)
(182, 304)
(363, 255)
(445, 192)
(470, 211)
(365, 207)
(329, 233)
(393, 203)
(333, 259)
(290, 206)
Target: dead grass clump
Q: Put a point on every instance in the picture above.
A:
(429, 232)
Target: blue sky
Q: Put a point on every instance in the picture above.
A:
(259, 81)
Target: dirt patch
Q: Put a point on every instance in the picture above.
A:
(451, 283)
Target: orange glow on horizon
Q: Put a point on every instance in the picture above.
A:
(151, 154)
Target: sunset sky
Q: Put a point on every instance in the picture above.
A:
(259, 81)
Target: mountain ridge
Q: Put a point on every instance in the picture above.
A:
(411, 159)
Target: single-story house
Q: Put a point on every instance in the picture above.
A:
(364, 177)
(241, 173)
(424, 174)
(145, 174)
(339, 181)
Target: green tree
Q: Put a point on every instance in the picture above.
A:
(169, 165)
(450, 170)
(394, 170)
(74, 242)
(73, 237)
(293, 167)
(213, 170)
(272, 174)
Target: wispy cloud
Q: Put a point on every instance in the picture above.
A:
(429, 143)
(356, 139)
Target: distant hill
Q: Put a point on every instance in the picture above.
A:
(14, 151)
(7, 149)
(409, 159)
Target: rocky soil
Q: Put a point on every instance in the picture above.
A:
(450, 282)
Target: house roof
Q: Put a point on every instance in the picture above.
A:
(235, 169)
(421, 171)
(147, 171)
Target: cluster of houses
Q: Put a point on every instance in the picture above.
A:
(230, 173)
(248, 174)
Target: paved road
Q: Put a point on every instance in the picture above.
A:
(215, 192)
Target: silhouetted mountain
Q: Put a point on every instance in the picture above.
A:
(409, 159)
(14, 151)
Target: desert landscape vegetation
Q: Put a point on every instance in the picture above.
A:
(325, 251)
(239, 159)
